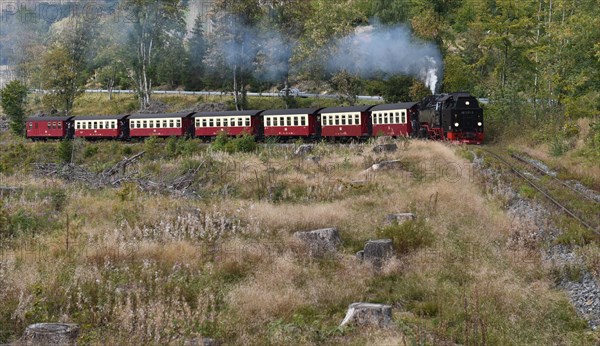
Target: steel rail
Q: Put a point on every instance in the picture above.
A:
(547, 195)
(553, 177)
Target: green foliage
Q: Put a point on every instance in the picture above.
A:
(408, 236)
(197, 50)
(558, 146)
(347, 86)
(245, 143)
(65, 151)
(13, 97)
(527, 191)
(152, 147)
(575, 234)
(90, 151)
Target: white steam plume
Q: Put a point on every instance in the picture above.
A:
(378, 49)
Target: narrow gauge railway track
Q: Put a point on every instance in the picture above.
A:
(552, 177)
(544, 192)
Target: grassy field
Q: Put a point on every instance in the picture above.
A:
(154, 268)
(99, 104)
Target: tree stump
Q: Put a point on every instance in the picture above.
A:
(320, 242)
(385, 148)
(378, 251)
(368, 315)
(385, 165)
(399, 218)
(304, 149)
(201, 342)
(51, 334)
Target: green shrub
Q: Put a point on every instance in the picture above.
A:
(171, 147)
(151, 147)
(240, 144)
(89, 151)
(65, 151)
(408, 236)
(558, 146)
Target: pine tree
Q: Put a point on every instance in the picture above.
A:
(197, 48)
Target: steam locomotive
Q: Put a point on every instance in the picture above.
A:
(454, 117)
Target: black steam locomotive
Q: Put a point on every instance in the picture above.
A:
(455, 116)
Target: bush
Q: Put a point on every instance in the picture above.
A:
(89, 151)
(65, 151)
(408, 236)
(240, 144)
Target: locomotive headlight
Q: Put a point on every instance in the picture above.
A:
(479, 123)
(456, 124)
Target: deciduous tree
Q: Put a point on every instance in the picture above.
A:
(13, 98)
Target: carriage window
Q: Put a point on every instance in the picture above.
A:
(275, 121)
(337, 119)
(303, 120)
(247, 121)
(211, 122)
(101, 125)
(239, 122)
(30, 125)
(218, 122)
(357, 119)
(60, 125)
(296, 121)
(204, 123)
(268, 121)
(397, 119)
(178, 123)
(343, 119)
(225, 122)
(145, 122)
(77, 125)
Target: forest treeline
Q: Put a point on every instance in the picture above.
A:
(533, 59)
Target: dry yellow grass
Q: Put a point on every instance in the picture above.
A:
(153, 268)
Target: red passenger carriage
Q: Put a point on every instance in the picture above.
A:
(48, 127)
(233, 123)
(346, 122)
(400, 119)
(160, 125)
(291, 123)
(108, 127)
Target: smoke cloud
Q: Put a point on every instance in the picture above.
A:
(377, 49)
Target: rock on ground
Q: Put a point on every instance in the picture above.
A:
(51, 334)
(368, 315)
